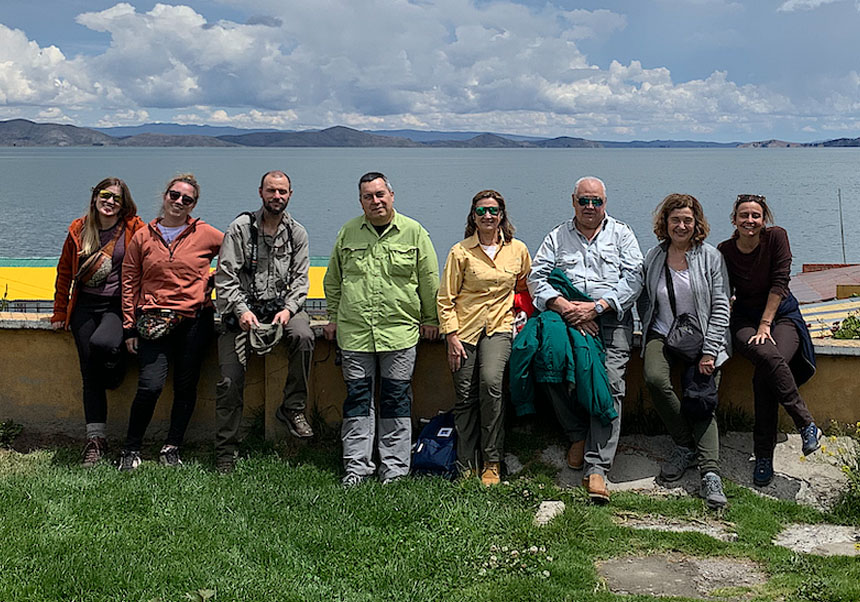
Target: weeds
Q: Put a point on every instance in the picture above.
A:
(849, 328)
(9, 431)
(848, 507)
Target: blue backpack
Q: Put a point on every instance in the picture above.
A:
(435, 451)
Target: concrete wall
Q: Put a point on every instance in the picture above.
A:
(40, 385)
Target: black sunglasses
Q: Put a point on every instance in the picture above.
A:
(584, 201)
(186, 200)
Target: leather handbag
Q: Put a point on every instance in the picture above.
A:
(685, 338)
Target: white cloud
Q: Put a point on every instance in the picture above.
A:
(124, 117)
(32, 75)
(445, 64)
(793, 5)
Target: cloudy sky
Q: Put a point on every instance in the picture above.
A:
(604, 69)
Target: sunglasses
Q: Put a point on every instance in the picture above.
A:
(481, 211)
(107, 194)
(585, 201)
(750, 198)
(174, 195)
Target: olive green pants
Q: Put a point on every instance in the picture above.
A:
(479, 410)
(699, 435)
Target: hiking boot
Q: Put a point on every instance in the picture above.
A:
(491, 475)
(352, 480)
(681, 459)
(810, 435)
(712, 491)
(595, 485)
(94, 451)
(129, 460)
(169, 456)
(225, 464)
(295, 421)
(576, 455)
(763, 472)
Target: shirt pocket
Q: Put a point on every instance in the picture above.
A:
(570, 261)
(403, 261)
(354, 260)
(609, 265)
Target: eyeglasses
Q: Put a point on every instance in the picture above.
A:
(584, 201)
(481, 211)
(107, 194)
(175, 195)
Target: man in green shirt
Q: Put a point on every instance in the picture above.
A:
(380, 288)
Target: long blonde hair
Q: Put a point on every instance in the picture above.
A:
(90, 242)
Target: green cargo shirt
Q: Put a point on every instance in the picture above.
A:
(380, 288)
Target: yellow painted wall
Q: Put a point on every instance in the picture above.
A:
(38, 282)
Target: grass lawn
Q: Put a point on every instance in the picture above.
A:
(282, 528)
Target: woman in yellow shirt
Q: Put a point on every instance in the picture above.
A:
(475, 302)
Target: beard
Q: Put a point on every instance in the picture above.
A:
(268, 208)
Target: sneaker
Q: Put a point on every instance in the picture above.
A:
(681, 459)
(390, 480)
(712, 491)
(169, 456)
(763, 472)
(810, 435)
(491, 475)
(94, 451)
(295, 421)
(129, 460)
(352, 480)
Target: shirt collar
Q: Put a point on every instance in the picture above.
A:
(394, 223)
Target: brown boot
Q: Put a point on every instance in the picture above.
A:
(491, 475)
(576, 455)
(595, 485)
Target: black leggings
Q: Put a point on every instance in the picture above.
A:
(96, 324)
(186, 346)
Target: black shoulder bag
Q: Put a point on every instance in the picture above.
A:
(685, 338)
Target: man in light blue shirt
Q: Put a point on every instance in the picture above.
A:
(601, 257)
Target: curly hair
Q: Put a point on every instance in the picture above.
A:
(505, 226)
(680, 201)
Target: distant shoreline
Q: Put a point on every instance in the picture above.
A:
(24, 133)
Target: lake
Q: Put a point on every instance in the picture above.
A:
(43, 189)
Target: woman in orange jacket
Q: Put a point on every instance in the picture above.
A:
(87, 299)
(168, 314)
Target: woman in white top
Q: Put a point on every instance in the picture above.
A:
(700, 286)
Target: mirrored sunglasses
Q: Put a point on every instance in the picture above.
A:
(480, 211)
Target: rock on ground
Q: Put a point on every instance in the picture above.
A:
(677, 575)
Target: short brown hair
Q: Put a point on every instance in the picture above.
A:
(681, 201)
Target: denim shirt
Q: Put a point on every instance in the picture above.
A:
(608, 267)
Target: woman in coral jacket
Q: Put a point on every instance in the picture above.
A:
(168, 314)
(87, 299)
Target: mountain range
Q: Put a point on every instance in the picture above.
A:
(21, 132)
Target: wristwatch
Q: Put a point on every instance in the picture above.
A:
(598, 308)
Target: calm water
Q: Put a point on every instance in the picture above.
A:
(43, 189)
